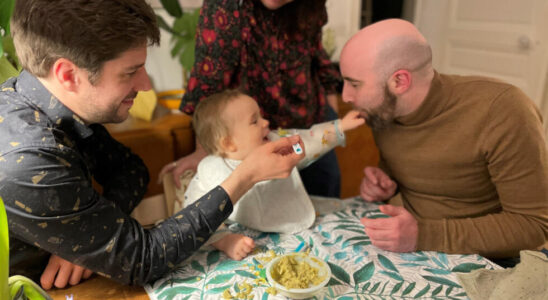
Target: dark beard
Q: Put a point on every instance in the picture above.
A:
(382, 117)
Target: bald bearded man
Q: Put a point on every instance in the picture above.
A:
(467, 153)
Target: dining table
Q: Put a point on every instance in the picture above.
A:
(359, 270)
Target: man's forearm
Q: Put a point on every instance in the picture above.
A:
(494, 236)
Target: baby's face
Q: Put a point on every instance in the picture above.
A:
(248, 130)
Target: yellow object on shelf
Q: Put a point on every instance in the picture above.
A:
(171, 98)
(144, 105)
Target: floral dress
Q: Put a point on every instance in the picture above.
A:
(240, 45)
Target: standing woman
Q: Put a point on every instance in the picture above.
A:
(270, 49)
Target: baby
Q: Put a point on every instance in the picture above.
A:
(229, 126)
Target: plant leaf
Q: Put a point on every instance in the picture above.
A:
(6, 8)
(172, 7)
(6, 69)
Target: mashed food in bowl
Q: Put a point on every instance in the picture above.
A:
(294, 272)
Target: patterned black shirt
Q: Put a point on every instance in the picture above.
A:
(48, 158)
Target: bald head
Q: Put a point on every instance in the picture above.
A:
(387, 46)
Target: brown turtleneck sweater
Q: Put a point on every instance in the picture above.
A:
(472, 166)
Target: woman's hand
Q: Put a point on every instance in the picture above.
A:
(179, 166)
(271, 160)
(351, 120)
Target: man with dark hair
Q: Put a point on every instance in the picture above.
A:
(467, 153)
(83, 65)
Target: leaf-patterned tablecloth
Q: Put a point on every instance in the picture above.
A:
(359, 269)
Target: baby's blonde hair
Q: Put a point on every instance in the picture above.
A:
(208, 122)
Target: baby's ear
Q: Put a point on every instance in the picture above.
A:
(227, 145)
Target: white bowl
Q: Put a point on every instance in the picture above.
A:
(314, 261)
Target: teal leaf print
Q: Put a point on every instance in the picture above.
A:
(213, 257)
(380, 216)
(467, 267)
(300, 238)
(197, 266)
(437, 271)
(265, 296)
(217, 290)
(440, 280)
(422, 292)
(346, 243)
(171, 293)
(392, 275)
(339, 273)
(220, 278)
(345, 298)
(245, 274)
(409, 289)
(438, 262)
(339, 239)
(375, 287)
(365, 273)
(340, 255)
(385, 262)
(396, 288)
(229, 265)
(334, 281)
(448, 291)
(413, 257)
(366, 286)
(443, 258)
(437, 290)
(275, 237)
(326, 234)
(171, 282)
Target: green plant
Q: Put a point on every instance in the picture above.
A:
(9, 64)
(183, 31)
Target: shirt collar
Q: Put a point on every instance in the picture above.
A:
(433, 104)
(32, 89)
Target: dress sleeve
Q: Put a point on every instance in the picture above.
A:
(55, 208)
(217, 54)
(515, 154)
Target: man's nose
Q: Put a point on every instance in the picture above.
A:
(346, 95)
(142, 81)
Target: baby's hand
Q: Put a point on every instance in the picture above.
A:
(351, 120)
(236, 246)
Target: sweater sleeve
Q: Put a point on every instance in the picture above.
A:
(217, 54)
(515, 154)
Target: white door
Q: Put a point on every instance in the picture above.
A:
(505, 39)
